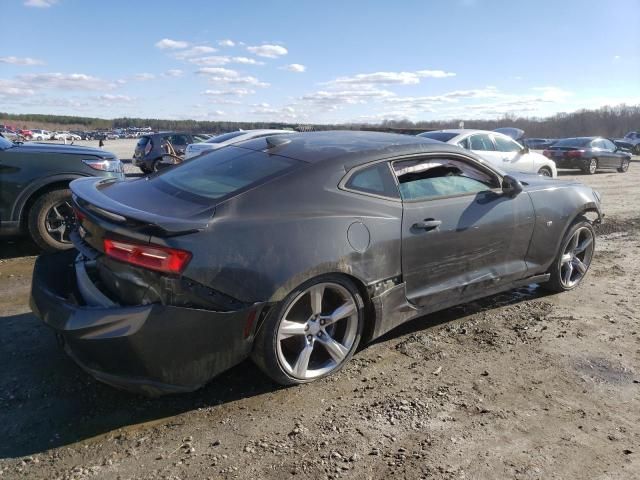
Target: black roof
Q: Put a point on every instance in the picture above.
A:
(348, 146)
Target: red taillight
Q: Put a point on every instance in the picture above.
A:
(574, 153)
(161, 259)
(148, 147)
(547, 153)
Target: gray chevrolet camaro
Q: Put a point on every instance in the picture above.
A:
(294, 250)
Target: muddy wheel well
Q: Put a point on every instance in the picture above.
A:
(24, 213)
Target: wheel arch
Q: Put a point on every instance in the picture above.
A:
(37, 189)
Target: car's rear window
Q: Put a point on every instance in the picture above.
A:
(143, 141)
(440, 136)
(573, 142)
(224, 173)
(225, 136)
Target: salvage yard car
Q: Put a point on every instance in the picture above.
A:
(497, 148)
(293, 250)
(589, 154)
(34, 188)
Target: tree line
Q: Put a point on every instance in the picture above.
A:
(610, 121)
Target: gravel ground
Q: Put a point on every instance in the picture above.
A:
(521, 385)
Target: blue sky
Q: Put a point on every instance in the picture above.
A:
(317, 62)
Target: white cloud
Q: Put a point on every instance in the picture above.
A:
(142, 77)
(224, 60)
(218, 72)
(68, 81)
(40, 3)
(434, 74)
(345, 97)
(173, 72)
(10, 88)
(115, 98)
(168, 44)
(230, 77)
(553, 94)
(26, 61)
(194, 51)
(230, 92)
(268, 51)
(294, 67)
(390, 78)
(227, 43)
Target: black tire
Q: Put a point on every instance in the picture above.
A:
(265, 353)
(590, 166)
(555, 283)
(37, 220)
(545, 172)
(624, 166)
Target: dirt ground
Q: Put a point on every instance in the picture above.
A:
(521, 385)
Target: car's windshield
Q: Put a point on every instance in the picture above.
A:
(223, 172)
(573, 142)
(4, 143)
(440, 136)
(225, 136)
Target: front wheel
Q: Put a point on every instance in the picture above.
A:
(312, 333)
(624, 166)
(51, 219)
(545, 172)
(574, 257)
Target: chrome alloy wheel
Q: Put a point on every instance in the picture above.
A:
(318, 331)
(59, 221)
(593, 166)
(576, 257)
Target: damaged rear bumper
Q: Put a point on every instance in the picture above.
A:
(152, 349)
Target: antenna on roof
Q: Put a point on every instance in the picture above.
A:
(276, 141)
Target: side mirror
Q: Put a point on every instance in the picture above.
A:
(511, 187)
(525, 150)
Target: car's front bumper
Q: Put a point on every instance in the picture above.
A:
(152, 349)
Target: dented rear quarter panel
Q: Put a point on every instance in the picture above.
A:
(263, 243)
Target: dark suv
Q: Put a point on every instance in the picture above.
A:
(34, 187)
(151, 147)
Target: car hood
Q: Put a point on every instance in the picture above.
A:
(63, 150)
(533, 181)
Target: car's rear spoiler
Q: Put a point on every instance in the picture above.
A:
(87, 194)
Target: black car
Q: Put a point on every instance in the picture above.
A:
(539, 143)
(150, 148)
(589, 154)
(34, 187)
(293, 249)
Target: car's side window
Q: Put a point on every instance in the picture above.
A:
(464, 143)
(431, 178)
(376, 180)
(598, 144)
(506, 144)
(609, 145)
(481, 142)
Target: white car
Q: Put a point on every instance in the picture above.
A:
(225, 139)
(39, 134)
(66, 136)
(497, 149)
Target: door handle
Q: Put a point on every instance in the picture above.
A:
(427, 224)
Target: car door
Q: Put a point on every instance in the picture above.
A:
(513, 156)
(461, 236)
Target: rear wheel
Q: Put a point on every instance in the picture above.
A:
(545, 172)
(624, 165)
(590, 166)
(574, 257)
(50, 220)
(312, 333)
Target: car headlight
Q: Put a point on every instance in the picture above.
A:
(105, 165)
